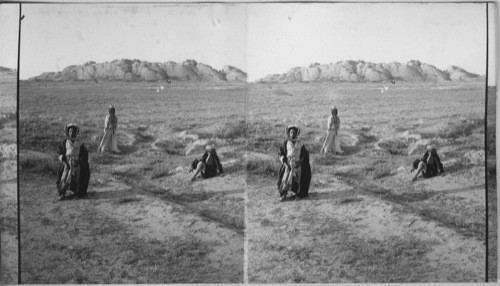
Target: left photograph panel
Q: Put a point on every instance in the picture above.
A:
(131, 142)
(9, 23)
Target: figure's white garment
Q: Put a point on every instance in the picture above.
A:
(109, 140)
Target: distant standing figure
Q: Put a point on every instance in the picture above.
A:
(209, 166)
(109, 141)
(74, 172)
(430, 165)
(295, 171)
(332, 140)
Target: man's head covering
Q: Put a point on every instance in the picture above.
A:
(431, 148)
(111, 109)
(293, 126)
(210, 149)
(71, 125)
(334, 109)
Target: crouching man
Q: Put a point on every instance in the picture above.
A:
(209, 166)
(430, 165)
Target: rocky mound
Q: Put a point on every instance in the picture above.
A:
(233, 74)
(136, 70)
(361, 71)
(6, 71)
(459, 74)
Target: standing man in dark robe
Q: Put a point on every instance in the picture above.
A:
(295, 171)
(74, 171)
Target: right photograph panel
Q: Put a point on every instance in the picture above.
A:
(371, 157)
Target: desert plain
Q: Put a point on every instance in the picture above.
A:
(9, 243)
(143, 221)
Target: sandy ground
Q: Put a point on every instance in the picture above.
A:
(8, 198)
(8, 182)
(283, 224)
(338, 233)
(154, 219)
(344, 232)
(155, 211)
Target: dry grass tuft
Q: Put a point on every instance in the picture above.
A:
(455, 129)
(393, 146)
(172, 147)
(408, 197)
(491, 139)
(38, 134)
(262, 167)
(325, 160)
(225, 130)
(350, 200)
(7, 119)
(39, 165)
(237, 167)
(364, 138)
(233, 131)
(399, 259)
(128, 200)
(101, 159)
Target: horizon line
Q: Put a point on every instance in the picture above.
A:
(246, 72)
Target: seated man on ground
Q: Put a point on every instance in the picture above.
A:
(209, 165)
(430, 165)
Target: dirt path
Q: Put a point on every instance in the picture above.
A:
(318, 239)
(364, 221)
(159, 220)
(143, 222)
(195, 226)
(8, 205)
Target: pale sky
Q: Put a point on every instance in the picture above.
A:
(284, 36)
(74, 34)
(260, 39)
(9, 31)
